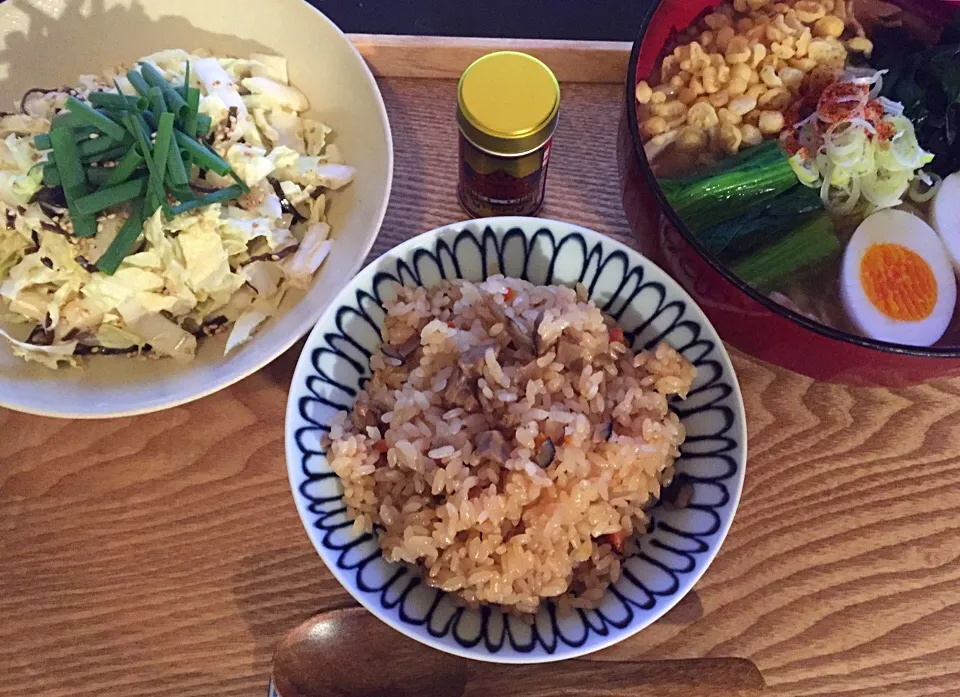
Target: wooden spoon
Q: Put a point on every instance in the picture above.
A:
(350, 653)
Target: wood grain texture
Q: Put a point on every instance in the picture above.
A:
(446, 57)
(162, 556)
(317, 660)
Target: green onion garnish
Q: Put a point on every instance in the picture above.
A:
(113, 196)
(160, 150)
(96, 146)
(203, 157)
(157, 102)
(94, 118)
(117, 102)
(69, 119)
(73, 180)
(174, 101)
(216, 197)
(177, 175)
(203, 124)
(123, 243)
(154, 193)
(51, 176)
(190, 122)
(139, 84)
(97, 176)
(153, 139)
(105, 156)
(186, 83)
(127, 165)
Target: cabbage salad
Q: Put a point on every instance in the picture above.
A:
(158, 204)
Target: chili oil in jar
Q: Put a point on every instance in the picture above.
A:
(508, 106)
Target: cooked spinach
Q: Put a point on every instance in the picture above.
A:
(761, 224)
(926, 80)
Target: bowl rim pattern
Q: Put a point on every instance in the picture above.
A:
(677, 223)
(324, 515)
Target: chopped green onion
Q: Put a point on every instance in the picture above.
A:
(183, 193)
(68, 160)
(73, 180)
(123, 243)
(184, 91)
(203, 124)
(216, 197)
(51, 176)
(242, 184)
(157, 102)
(94, 118)
(113, 196)
(98, 175)
(139, 84)
(176, 173)
(117, 102)
(69, 119)
(174, 101)
(203, 157)
(155, 194)
(162, 147)
(147, 121)
(83, 132)
(125, 168)
(190, 122)
(106, 155)
(96, 146)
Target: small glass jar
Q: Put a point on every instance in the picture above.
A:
(508, 106)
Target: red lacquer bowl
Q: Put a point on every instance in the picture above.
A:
(744, 317)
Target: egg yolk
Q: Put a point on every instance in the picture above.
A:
(898, 282)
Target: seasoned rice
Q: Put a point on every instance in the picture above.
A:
(509, 442)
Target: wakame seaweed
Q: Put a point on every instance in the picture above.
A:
(926, 80)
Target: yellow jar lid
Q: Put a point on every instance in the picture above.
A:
(509, 102)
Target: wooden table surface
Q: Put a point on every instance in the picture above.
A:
(162, 555)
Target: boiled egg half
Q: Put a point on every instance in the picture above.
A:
(945, 216)
(897, 281)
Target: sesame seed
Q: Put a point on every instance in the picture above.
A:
(95, 135)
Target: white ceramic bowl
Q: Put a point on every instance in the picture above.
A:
(649, 307)
(53, 42)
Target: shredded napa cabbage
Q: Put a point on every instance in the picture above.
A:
(216, 268)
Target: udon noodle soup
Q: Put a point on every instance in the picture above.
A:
(811, 147)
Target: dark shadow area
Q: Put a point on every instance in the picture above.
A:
(35, 56)
(686, 612)
(599, 20)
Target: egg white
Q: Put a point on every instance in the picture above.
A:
(911, 232)
(945, 216)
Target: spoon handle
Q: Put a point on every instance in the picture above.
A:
(702, 677)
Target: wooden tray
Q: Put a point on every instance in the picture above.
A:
(140, 557)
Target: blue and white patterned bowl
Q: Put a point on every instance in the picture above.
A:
(649, 307)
